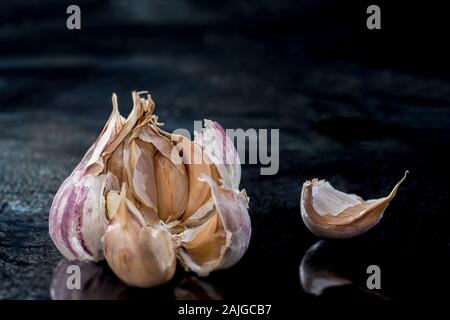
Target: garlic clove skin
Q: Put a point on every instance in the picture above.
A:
(196, 163)
(223, 239)
(221, 151)
(77, 216)
(330, 213)
(139, 255)
(172, 189)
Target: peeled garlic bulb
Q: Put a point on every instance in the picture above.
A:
(169, 206)
(330, 213)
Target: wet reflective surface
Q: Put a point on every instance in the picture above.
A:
(98, 282)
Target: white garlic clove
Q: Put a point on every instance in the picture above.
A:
(77, 216)
(139, 255)
(221, 151)
(222, 240)
(330, 213)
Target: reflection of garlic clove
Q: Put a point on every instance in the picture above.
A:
(97, 282)
(223, 239)
(139, 255)
(315, 277)
(330, 213)
(327, 265)
(192, 288)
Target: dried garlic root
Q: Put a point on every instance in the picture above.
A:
(330, 213)
(141, 197)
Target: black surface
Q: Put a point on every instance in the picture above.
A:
(353, 106)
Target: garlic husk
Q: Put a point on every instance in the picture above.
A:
(330, 213)
(196, 163)
(77, 215)
(223, 239)
(221, 151)
(139, 255)
(172, 188)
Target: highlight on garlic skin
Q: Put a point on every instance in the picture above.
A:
(330, 213)
(142, 197)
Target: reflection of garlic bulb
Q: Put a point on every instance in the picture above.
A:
(179, 198)
(330, 213)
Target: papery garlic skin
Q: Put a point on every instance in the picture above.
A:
(330, 213)
(224, 237)
(77, 216)
(220, 149)
(140, 255)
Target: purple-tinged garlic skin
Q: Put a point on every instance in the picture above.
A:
(220, 149)
(77, 219)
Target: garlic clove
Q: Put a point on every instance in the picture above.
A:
(223, 239)
(77, 218)
(139, 255)
(172, 186)
(330, 213)
(196, 163)
(139, 165)
(220, 149)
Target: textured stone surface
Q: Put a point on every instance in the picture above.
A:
(358, 125)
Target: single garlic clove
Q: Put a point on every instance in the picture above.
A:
(221, 240)
(139, 165)
(196, 163)
(220, 149)
(172, 189)
(139, 255)
(330, 213)
(77, 218)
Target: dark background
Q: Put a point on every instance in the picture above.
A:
(354, 106)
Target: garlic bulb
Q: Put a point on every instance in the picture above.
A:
(179, 198)
(330, 213)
